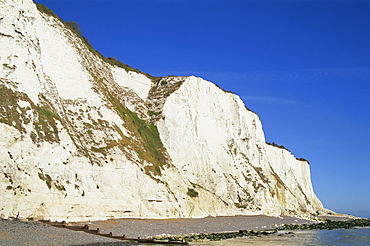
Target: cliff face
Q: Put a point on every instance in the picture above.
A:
(82, 139)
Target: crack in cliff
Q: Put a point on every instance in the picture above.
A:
(161, 89)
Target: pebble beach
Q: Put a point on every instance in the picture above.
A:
(145, 228)
(17, 232)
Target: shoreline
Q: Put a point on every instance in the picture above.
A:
(148, 228)
(17, 232)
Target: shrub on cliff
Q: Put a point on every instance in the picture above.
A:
(45, 9)
(192, 193)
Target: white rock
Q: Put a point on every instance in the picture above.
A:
(71, 148)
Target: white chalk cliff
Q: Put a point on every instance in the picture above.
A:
(84, 139)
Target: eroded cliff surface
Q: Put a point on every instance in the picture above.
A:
(84, 139)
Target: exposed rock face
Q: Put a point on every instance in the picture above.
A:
(82, 139)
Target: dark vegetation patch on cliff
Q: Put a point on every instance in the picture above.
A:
(49, 181)
(145, 139)
(46, 128)
(42, 116)
(46, 10)
(192, 193)
(303, 159)
(10, 112)
(277, 145)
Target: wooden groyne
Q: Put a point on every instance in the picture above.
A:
(97, 231)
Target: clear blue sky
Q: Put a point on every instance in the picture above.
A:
(303, 66)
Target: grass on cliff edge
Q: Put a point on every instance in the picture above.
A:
(73, 26)
(283, 147)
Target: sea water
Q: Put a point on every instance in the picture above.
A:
(337, 237)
